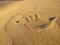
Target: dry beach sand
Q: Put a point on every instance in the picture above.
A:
(30, 22)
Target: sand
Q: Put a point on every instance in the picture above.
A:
(18, 34)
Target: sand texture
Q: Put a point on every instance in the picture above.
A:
(30, 22)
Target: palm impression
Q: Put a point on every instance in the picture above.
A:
(29, 22)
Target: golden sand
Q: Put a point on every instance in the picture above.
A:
(30, 22)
